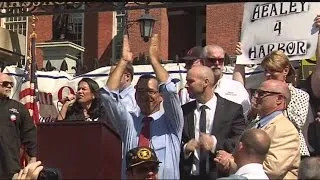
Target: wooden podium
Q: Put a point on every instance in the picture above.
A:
(80, 150)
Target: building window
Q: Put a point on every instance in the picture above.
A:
(76, 26)
(17, 24)
(121, 17)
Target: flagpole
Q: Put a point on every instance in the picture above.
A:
(33, 37)
(32, 61)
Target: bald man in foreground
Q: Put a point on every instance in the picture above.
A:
(16, 128)
(207, 126)
(249, 155)
(283, 158)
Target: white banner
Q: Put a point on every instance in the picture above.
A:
(286, 26)
(55, 85)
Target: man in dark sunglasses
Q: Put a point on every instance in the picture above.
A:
(142, 163)
(6, 85)
(214, 57)
(16, 129)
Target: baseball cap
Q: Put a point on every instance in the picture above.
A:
(140, 155)
(194, 53)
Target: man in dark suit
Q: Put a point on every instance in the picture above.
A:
(210, 123)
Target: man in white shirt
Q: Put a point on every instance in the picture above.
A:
(127, 90)
(250, 153)
(213, 57)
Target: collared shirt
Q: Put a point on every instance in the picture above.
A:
(265, 120)
(252, 171)
(165, 132)
(234, 91)
(227, 88)
(211, 104)
(127, 97)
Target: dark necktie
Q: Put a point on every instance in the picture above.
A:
(144, 137)
(259, 125)
(202, 127)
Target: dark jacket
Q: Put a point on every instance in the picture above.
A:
(227, 127)
(16, 128)
(75, 111)
(314, 126)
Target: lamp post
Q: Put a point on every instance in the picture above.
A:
(146, 25)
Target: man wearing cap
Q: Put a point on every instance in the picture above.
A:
(213, 56)
(142, 163)
(193, 58)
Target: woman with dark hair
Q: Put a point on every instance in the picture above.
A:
(85, 105)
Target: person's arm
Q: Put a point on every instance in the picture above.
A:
(298, 107)
(115, 110)
(239, 69)
(315, 77)
(167, 88)
(154, 52)
(114, 79)
(117, 113)
(63, 112)
(28, 134)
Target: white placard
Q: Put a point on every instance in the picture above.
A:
(286, 26)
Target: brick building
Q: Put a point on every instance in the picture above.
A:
(179, 28)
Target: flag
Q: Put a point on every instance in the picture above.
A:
(29, 90)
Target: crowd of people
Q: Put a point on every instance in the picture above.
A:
(215, 128)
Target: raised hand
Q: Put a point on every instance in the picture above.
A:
(126, 53)
(154, 50)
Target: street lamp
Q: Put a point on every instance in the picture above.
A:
(146, 25)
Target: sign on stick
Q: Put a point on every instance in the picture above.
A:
(286, 26)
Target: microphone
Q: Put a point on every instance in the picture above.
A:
(64, 100)
(67, 98)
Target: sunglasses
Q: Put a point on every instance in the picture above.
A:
(262, 93)
(6, 83)
(220, 60)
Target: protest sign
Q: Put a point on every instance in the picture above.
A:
(286, 26)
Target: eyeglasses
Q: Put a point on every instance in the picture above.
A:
(262, 93)
(6, 83)
(147, 91)
(220, 60)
